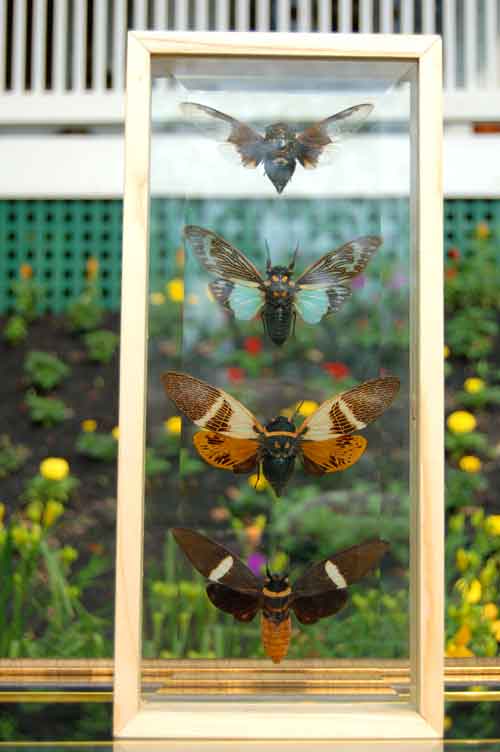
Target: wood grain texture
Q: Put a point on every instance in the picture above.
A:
(133, 385)
(427, 394)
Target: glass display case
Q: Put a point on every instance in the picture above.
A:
(282, 350)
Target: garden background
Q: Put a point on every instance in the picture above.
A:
(60, 299)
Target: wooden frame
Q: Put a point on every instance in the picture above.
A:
(290, 720)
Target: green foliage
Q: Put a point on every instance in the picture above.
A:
(44, 370)
(15, 330)
(28, 295)
(97, 446)
(46, 410)
(43, 489)
(155, 464)
(41, 609)
(12, 456)
(85, 312)
(101, 345)
(471, 332)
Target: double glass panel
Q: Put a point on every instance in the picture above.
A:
(360, 189)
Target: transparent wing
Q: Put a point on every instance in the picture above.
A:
(239, 138)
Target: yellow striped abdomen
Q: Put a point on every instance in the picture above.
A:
(275, 637)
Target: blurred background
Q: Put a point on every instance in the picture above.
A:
(62, 71)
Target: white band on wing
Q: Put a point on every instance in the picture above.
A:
(335, 576)
(221, 569)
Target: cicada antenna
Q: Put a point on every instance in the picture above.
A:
(268, 258)
(294, 258)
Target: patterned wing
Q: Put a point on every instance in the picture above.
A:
(209, 407)
(216, 563)
(333, 455)
(241, 139)
(242, 606)
(342, 569)
(219, 257)
(324, 286)
(320, 141)
(311, 608)
(244, 302)
(226, 453)
(351, 410)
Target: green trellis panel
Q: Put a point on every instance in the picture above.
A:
(57, 237)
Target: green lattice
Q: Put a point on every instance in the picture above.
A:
(57, 237)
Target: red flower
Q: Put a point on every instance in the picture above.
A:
(235, 374)
(253, 345)
(454, 254)
(336, 370)
(450, 273)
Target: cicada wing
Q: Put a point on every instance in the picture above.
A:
(311, 608)
(243, 606)
(209, 407)
(342, 569)
(324, 286)
(221, 258)
(215, 562)
(227, 453)
(239, 139)
(351, 410)
(320, 142)
(332, 455)
(244, 302)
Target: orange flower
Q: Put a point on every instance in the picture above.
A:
(92, 268)
(253, 534)
(25, 271)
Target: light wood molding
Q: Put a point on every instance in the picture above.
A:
(422, 717)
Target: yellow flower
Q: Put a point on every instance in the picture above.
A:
(89, 426)
(173, 425)
(53, 510)
(68, 554)
(193, 299)
(490, 611)
(446, 352)
(157, 298)
(474, 385)
(115, 433)
(20, 535)
(463, 635)
(448, 723)
(457, 651)
(258, 482)
(175, 289)
(462, 559)
(473, 592)
(279, 562)
(2, 513)
(54, 468)
(492, 524)
(307, 407)
(34, 510)
(495, 628)
(461, 422)
(469, 464)
(36, 533)
(482, 231)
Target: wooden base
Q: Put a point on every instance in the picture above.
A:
(277, 720)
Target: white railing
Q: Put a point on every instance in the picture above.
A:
(62, 61)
